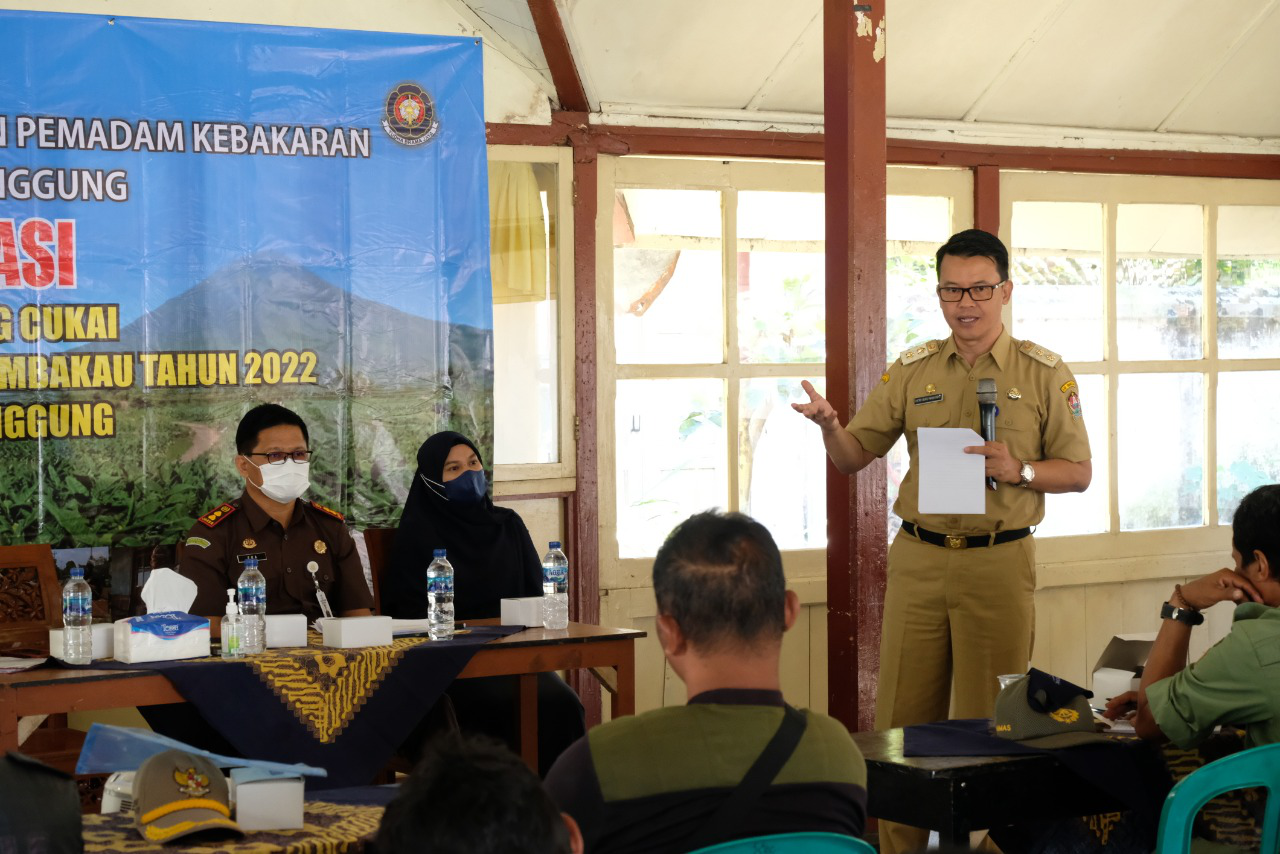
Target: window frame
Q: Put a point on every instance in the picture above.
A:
(729, 177)
(558, 477)
(1091, 558)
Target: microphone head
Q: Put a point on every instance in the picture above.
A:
(987, 391)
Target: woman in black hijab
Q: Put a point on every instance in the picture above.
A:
(493, 558)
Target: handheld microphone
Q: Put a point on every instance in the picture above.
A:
(987, 410)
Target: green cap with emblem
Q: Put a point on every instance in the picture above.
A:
(1065, 726)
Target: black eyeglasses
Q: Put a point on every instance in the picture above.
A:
(978, 293)
(277, 458)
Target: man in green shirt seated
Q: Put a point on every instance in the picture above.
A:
(669, 780)
(1238, 680)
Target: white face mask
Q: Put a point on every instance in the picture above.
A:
(285, 482)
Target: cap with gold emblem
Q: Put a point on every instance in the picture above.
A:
(176, 793)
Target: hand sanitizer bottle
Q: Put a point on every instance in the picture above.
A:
(232, 629)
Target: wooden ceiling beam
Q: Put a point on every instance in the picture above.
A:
(570, 92)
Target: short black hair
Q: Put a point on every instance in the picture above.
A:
(471, 795)
(975, 243)
(719, 575)
(1256, 526)
(264, 417)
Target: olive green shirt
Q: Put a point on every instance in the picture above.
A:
(1236, 682)
(932, 386)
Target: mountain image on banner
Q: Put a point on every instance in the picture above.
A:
(266, 303)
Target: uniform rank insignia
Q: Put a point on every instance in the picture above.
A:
(1040, 354)
(216, 517)
(915, 354)
(334, 513)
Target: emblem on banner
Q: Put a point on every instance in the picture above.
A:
(410, 115)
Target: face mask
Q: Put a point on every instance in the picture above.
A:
(467, 488)
(285, 482)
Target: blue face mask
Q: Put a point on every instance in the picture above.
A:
(467, 488)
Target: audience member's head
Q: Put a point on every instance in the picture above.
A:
(474, 796)
(1255, 530)
(719, 579)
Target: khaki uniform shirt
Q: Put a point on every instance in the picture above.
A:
(932, 386)
(218, 543)
(1236, 682)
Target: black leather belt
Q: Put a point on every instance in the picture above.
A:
(953, 541)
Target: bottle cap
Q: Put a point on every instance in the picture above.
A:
(232, 609)
(77, 572)
(438, 553)
(554, 544)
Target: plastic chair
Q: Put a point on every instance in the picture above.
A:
(1247, 769)
(798, 843)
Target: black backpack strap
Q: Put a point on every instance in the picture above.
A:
(731, 813)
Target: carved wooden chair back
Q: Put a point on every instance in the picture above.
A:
(30, 599)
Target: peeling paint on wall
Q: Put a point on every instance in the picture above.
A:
(878, 53)
(864, 24)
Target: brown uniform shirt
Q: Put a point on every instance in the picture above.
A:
(219, 541)
(931, 386)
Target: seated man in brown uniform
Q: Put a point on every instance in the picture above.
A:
(298, 544)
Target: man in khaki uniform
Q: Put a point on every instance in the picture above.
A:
(959, 599)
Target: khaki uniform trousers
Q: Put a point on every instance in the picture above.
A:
(954, 620)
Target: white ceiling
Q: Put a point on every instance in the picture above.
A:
(1166, 66)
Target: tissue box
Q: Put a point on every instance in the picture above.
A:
(103, 641)
(1118, 666)
(356, 631)
(166, 636)
(522, 612)
(286, 630)
(266, 800)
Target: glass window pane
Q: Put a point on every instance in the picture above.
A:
(782, 466)
(1249, 282)
(915, 226)
(1247, 456)
(672, 457)
(526, 375)
(896, 463)
(1056, 270)
(781, 277)
(668, 282)
(1084, 512)
(1159, 281)
(1161, 450)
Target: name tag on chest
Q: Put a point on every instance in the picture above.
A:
(928, 398)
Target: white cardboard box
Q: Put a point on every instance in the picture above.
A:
(522, 612)
(266, 800)
(104, 641)
(167, 636)
(286, 630)
(1119, 665)
(348, 632)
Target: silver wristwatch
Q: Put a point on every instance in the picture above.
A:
(1026, 475)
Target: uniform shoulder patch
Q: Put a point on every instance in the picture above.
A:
(1040, 354)
(915, 354)
(214, 518)
(334, 513)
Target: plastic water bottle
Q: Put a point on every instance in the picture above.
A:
(440, 597)
(252, 587)
(555, 587)
(77, 614)
(233, 629)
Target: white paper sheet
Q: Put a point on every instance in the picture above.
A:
(951, 481)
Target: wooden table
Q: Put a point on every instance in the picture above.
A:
(958, 794)
(525, 654)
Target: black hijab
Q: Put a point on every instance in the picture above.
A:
(492, 555)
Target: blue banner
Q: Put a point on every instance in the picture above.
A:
(195, 217)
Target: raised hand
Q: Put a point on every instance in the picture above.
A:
(818, 409)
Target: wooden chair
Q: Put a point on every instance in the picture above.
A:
(30, 605)
(378, 543)
(30, 598)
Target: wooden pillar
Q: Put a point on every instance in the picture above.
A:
(857, 512)
(986, 198)
(584, 605)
